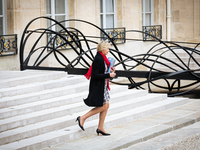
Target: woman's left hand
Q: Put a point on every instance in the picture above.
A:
(113, 69)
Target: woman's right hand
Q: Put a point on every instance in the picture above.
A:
(112, 74)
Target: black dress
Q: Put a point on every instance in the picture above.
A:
(97, 82)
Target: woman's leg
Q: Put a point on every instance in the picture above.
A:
(93, 112)
(102, 117)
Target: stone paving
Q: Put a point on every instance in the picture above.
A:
(187, 138)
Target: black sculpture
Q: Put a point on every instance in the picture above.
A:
(172, 72)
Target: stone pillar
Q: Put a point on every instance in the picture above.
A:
(168, 20)
(19, 14)
(160, 16)
(185, 20)
(71, 12)
(196, 19)
(119, 13)
(88, 10)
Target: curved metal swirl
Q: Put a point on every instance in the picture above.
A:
(163, 63)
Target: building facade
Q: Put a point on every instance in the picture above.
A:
(180, 21)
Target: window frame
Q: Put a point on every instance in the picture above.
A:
(53, 15)
(4, 17)
(150, 12)
(109, 13)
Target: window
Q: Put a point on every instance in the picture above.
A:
(108, 13)
(2, 17)
(57, 9)
(147, 12)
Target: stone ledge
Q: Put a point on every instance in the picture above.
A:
(181, 122)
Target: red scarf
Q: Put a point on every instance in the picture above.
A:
(88, 74)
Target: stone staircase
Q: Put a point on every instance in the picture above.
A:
(38, 109)
(183, 56)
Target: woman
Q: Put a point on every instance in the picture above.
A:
(98, 96)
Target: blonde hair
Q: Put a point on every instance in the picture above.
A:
(102, 45)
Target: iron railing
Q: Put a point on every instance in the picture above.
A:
(171, 74)
(117, 35)
(8, 45)
(152, 31)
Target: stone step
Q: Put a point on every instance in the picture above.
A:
(166, 69)
(68, 120)
(180, 53)
(40, 86)
(51, 113)
(74, 132)
(54, 102)
(184, 59)
(148, 133)
(184, 56)
(41, 105)
(42, 95)
(16, 78)
(185, 138)
(192, 65)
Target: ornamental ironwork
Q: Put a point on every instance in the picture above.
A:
(8, 44)
(164, 66)
(116, 34)
(56, 41)
(151, 32)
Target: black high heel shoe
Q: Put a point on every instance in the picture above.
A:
(103, 133)
(79, 123)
